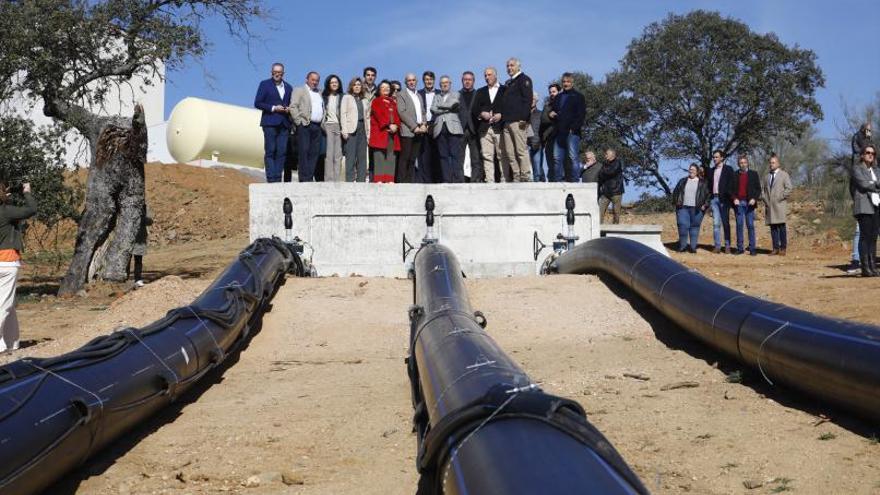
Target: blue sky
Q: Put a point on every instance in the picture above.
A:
(550, 37)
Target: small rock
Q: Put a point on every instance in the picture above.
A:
(251, 482)
(637, 376)
(388, 433)
(752, 484)
(677, 385)
(291, 478)
(270, 477)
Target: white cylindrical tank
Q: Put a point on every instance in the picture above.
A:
(210, 130)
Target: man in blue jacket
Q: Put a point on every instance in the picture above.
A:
(569, 110)
(273, 98)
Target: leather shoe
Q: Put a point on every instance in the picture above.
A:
(774, 252)
(782, 252)
(716, 250)
(727, 249)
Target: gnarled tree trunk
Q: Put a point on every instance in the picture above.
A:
(114, 202)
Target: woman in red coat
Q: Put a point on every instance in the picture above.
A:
(384, 139)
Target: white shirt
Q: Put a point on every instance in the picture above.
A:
(280, 88)
(417, 103)
(429, 100)
(317, 106)
(493, 90)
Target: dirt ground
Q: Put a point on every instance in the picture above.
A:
(318, 402)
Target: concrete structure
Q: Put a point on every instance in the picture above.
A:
(201, 129)
(359, 228)
(648, 235)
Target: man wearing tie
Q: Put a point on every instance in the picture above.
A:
(775, 196)
(273, 98)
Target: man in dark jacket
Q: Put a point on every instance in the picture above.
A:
(718, 179)
(611, 185)
(744, 192)
(487, 114)
(470, 139)
(548, 130)
(569, 110)
(429, 158)
(273, 98)
(534, 139)
(516, 110)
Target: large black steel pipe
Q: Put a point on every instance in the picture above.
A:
(56, 412)
(483, 426)
(831, 359)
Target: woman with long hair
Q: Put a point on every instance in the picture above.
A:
(691, 198)
(864, 185)
(11, 217)
(355, 122)
(332, 129)
(384, 139)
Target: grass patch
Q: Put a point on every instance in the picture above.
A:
(734, 377)
(783, 485)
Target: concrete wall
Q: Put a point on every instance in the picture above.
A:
(358, 228)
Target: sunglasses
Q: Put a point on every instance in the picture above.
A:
(868, 153)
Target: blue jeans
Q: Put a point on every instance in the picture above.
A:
(275, 147)
(855, 252)
(745, 214)
(779, 236)
(566, 146)
(720, 218)
(689, 219)
(537, 156)
(308, 142)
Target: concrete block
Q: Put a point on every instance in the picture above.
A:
(648, 235)
(359, 228)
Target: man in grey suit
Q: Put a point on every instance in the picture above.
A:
(447, 131)
(414, 125)
(307, 112)
(470, 137)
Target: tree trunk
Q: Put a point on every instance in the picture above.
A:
(115, 187)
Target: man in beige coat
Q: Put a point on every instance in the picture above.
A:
(775, 191)
(307, 111)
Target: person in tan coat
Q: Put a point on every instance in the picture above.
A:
(774, 193)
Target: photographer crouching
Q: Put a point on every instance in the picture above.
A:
(11, 222)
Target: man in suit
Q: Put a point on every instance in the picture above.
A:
(369, 83)
(470, 137)
(447, 132)
(775, 196)
(307, 111)
(517, 109)
(428, 157)
(487, 113)
(568, 112)
(744, 192)
(413, 126)
(273, 98)
(719, 178)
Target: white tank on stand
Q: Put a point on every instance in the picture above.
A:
(209, 130)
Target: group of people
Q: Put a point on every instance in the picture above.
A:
(721, 189)
(388, 132)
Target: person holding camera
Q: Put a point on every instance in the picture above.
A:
(11, 221)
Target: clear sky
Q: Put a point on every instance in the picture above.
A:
(549, 37)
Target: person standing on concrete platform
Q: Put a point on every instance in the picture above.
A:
(548, 132)
(273, 98)
(569, 111)
(355, 122)
(428, 170)
(536, 150)
(487, 113)
(11, 218)
(691, 199)
(516, 109)
(864, 186)
(719, 178)
(369, 79)
(611, 185)
(332, 97)
(775, 194)
(447, 132)
(590, 168)
(411, 108)
(307, 111)
(744, 192)
(384, 139)
(470, 136)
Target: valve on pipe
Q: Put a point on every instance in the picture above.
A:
(302, 266)
(482, 425)
(562, 243)
(429, 221)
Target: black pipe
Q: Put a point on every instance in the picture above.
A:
(834, 360)
(483, 426)
(56, 412)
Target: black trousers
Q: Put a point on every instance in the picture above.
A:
(869, 225)
(406, 160)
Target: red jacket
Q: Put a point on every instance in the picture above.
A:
(383, 113)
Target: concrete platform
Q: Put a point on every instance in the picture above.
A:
(359, 228)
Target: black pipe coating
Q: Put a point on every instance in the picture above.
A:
(483, 426)
(834, 360)
(56, 412)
